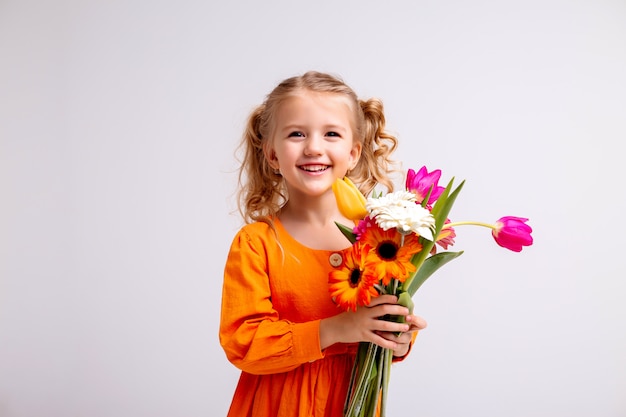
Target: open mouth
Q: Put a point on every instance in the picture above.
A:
(314, 168)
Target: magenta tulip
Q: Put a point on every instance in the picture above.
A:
(420, 183)
(512, 233)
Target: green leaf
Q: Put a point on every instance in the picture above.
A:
(404, 299)
(442, 208)
(427, 197)
(440, 212)
(347, 232)
(429, 267)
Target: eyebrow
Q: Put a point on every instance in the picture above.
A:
(301, 127)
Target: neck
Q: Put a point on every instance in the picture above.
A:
(313, 225)
(318, 214)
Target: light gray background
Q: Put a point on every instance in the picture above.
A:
(118, 123)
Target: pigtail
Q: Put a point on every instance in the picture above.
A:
(375, 165)
(260, 188)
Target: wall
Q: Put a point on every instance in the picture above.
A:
(118, 124)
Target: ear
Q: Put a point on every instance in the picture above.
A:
(270, 156)
(355, 154)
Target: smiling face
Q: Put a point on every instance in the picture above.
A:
(313, 142)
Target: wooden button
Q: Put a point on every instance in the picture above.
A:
(336, 259)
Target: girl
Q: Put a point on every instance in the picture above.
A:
(279, 325)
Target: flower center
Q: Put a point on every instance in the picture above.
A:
(355, 277)
(387, 250)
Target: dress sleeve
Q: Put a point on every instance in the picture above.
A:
(253, 336)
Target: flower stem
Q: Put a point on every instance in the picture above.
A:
(362, 387)
(453, 224)
(386, 376)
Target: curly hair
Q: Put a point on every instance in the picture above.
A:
(262, 191)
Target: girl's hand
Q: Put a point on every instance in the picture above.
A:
(403, 339)
(365, 325)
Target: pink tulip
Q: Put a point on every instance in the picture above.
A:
(512, 233)
(420, 183)
(446, 236)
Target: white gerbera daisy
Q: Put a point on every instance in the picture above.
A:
(399, 210)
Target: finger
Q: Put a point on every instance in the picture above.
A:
(416, 321)
(389, 309)
(383, 299)
(384, 339)
(390, 326)
(404, 338)
(399, 338)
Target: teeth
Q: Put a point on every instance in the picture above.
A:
(314, 168)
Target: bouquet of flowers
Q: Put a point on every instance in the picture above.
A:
(394, 250)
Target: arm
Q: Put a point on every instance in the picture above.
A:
(253, 336)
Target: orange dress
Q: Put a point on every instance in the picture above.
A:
(275, 293)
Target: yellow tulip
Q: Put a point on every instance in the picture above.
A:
(350, 201)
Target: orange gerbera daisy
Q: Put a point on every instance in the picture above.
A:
(390, 254)
(352, 285)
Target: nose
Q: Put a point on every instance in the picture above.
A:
(313, 145)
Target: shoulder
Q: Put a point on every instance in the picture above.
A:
(254, 246)
(257, 230)
(258, 234)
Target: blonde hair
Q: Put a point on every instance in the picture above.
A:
(262, 191)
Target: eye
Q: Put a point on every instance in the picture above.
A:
(296, 135)
(333, 134)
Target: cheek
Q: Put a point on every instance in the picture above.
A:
(283, 152)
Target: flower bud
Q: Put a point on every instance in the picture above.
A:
(350, 201)
(512, 233)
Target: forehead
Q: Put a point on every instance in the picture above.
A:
(306, 105)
